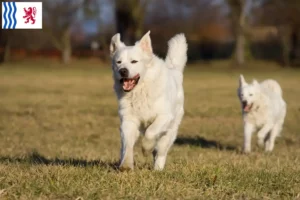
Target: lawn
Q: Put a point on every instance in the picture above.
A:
(59, 138)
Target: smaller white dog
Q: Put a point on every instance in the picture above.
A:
(263, 108)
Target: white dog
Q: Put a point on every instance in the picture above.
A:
(263, 108)
(150, 96)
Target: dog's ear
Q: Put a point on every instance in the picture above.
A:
(145, 43)
(115, 44)
(242, 80)
(255, 83)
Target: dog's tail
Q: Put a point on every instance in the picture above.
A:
(177, 52)
(273, 86)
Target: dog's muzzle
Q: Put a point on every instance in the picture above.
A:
(129, 83)
(124, 72)
(246, 107)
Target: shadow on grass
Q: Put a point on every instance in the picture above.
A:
(204, 143)
(36, 159)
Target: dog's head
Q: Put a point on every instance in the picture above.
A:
(130, 63)
(248, 93)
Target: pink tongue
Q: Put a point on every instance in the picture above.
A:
(128, 84)
(247, 108)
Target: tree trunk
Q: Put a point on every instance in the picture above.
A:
(5, 44)
(138, 15)
(286, 49)
(1, 46)
(123, 23)
(286, 45)
(240, 49)
(238, 8)
(66, 55)
(129, 19)
(67, 47)
(7, 51)
(294, 44)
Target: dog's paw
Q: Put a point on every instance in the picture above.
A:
(246, 151)
(260, 142)
(145, 152)
(268, 151)
(268, 148)
(147, 146)
(124, 168)
(126, 165)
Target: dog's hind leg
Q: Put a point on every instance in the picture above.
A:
(162, 148)
(262, 134)
(271, 140)
(154, 132)
(165, 142)
(129, 135)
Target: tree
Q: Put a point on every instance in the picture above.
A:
(238, 11)
(6, 38)
(5, 43)
(59, 16)
(129, 15)
(290, 27)
(288, 24)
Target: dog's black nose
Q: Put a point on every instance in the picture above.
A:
(124, 72)
(245, 102)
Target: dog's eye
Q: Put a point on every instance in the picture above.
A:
(119, 62)
(134, 61)
(250, 95)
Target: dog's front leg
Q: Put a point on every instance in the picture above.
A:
(248, 130)
(262, 134)
(154, 131)
(129, 135)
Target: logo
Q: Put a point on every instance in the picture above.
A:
(22, 15)
(30, 14)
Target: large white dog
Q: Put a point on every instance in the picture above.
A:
(263, 108)
(150, 96)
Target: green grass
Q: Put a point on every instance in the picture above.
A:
(59, 138)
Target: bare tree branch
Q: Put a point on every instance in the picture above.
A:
(58, 25)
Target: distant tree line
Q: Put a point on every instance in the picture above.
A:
(239, 29)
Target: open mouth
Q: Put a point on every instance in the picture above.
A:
(129, 83)
(247, 107)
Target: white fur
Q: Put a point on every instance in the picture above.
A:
(155, 106)
(267, 113)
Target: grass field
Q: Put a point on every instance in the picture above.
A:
(59, 139)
